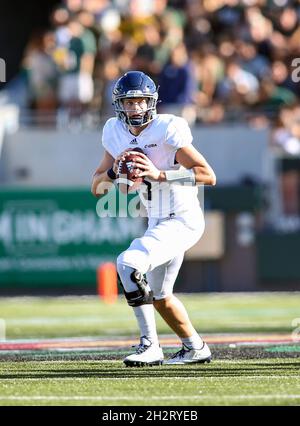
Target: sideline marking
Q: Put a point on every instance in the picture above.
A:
(80, 343)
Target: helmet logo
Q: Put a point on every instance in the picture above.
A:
(134, 92)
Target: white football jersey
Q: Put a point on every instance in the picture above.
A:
(160, 140)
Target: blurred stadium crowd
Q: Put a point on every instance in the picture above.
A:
(209, 56)
(214, 60)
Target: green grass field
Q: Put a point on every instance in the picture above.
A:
(240, 374)
(255, 382)
(82, 316)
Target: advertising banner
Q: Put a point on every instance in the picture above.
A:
(55, 237)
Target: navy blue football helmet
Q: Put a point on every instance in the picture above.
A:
(135, 84)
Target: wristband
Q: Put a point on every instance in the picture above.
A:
(111, 174)
(181, 176)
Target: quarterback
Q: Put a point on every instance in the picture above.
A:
(171, 168)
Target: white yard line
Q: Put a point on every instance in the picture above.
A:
(140, 398)
(59, 320)
(257, 377)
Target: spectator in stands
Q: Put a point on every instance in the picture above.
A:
(59, 20)
(238, 86)
(288, 21)
(252, 61)
(177, 84)
(111, 73)
(42, 72)
(150, 55)
(281, 76)
(210, 70)
(73, 6)
(273, 96)
(76, 87)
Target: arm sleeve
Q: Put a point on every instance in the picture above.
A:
(106, 140)
(178, 133)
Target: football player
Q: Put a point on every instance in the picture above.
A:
(172, 168)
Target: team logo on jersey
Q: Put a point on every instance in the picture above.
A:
(151, 145)
(133, 142)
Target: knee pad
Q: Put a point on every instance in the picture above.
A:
(142, 294)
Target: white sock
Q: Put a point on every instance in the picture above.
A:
(146, 320)
(193, 342)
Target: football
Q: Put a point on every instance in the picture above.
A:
(128, 181)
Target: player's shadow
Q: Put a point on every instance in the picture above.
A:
(168, 371)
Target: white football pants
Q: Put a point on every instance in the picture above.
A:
(159, 253)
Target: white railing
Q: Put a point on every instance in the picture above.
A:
(91, 119)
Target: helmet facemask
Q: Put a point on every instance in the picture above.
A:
(145, 116)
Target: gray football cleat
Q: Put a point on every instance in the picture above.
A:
(147, 354)
(188, 356)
